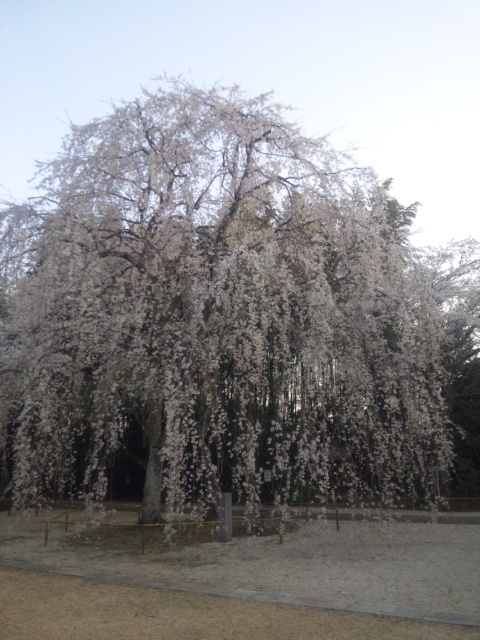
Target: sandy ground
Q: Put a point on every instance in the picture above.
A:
(417, 565)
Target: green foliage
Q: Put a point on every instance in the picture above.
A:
(465, 393)
(399, 219)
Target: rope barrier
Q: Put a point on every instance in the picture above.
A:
(282, 520)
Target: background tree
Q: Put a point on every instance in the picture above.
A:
(454, 273)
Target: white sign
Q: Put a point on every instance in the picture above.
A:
(267, 476)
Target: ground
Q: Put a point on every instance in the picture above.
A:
(418, 565)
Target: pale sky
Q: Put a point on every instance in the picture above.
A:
(398, 79)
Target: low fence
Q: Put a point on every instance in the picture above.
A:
(230, 523)
(269, 523)
(449, 504)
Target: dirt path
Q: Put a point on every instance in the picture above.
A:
(49, 607)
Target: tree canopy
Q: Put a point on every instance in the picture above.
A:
(244, 293)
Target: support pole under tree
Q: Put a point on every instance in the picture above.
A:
(224, 505)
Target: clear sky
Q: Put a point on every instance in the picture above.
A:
(398, 79)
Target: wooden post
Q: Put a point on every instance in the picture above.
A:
(45, 539)
(66, 521)
(337, 521)
(224, 505)
(143, 541)
(280, 531)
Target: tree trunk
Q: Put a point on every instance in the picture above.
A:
(152, 490)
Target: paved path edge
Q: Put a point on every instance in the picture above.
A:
(427, 615)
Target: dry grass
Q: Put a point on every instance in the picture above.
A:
(51, 607)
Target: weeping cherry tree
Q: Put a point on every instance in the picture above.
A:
(250, 290)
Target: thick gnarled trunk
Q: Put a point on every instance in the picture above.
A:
(152, 490)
